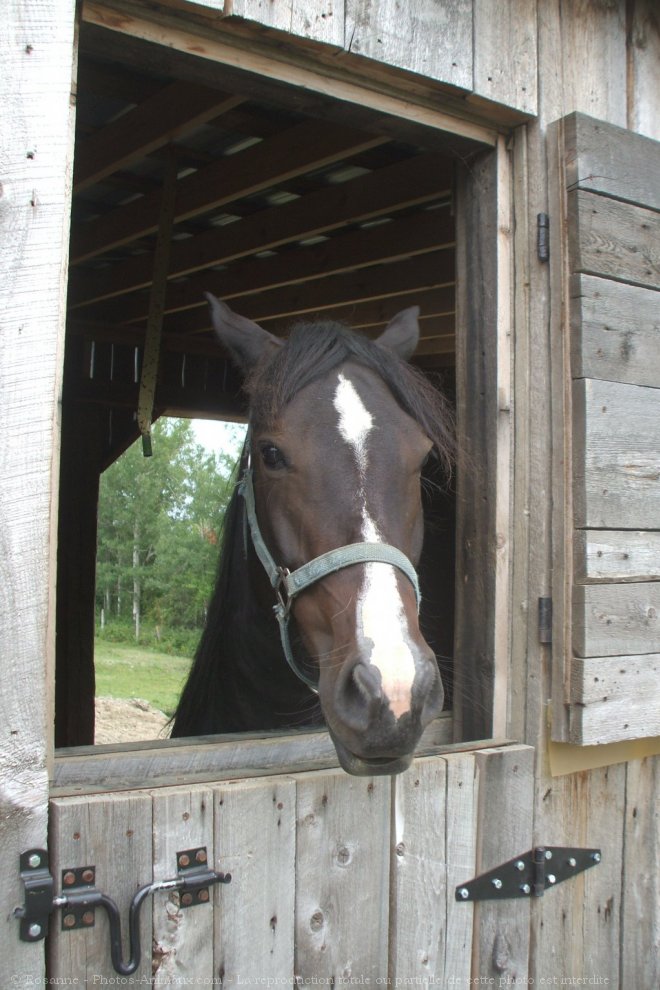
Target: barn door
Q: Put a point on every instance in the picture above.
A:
(333, 877)
(606, 260)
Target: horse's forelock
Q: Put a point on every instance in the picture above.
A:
(314, 349)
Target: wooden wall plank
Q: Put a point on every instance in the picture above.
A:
(614, 239)
(115, 836)
(644, 69)
(615, 698)
(608, 617)
(611, 161)
(590, 45)
(615, 331)
(322, 22)
(505, 53)
(616, 457)
(182, 939)
(421, 36)
(640, 939)
(500, 949)
(613, 556)
(255, 841)
(37, 53)
(342, 871)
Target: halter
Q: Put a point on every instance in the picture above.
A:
(287, 584)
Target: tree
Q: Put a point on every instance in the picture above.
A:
(159, 521)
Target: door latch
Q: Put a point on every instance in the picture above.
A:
(529, 875)
(80, 898)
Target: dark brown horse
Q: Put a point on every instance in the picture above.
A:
(326, 527)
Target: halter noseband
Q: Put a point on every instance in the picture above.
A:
(287, 584)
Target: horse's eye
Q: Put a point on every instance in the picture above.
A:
(272, 457)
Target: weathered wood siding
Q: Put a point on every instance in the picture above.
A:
(333, 877)
(610, 268)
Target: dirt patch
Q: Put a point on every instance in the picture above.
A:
(128, 720)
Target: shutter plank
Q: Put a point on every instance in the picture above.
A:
(615, 698)
(606, 556)
(611, 619)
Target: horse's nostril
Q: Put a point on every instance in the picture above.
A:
(367, 679)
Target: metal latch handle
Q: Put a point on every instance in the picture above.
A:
(193, 879)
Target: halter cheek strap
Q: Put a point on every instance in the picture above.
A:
(288, 584)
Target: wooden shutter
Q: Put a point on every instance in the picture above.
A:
(605, 277)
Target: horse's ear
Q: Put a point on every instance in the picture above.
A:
(402, 333)
(245, 340)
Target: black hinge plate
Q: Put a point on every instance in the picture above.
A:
(530, 874)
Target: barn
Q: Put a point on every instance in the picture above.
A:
(497, 164)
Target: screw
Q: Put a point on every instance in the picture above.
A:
(88, 918)
(184, 860)
(186, 900)
(69, 878)
(572, 861)
(34, 861)
(552, 878)
(69, 920)
(596, 857)
(497, 883)
(525, 888)
(203, 895)
(548, 854)
(520, 865)
(34, 931)
(200, 856)
(88, 876)
(464, 893)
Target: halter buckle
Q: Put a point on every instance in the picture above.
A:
(284, 599)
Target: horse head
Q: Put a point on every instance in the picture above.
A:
(336, 453)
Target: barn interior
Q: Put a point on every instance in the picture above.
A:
(191, 177)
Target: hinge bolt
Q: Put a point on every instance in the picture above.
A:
(184, 861)
(34, 861)
(525, 887)
(520, 865)
(548, 854)
(69, 878)
(497, 883)
(201, 856)
(572, 861)
(69, 920)
(464, 893)
(596, 857)
(88, 876)
(34, 930)
(552, 878)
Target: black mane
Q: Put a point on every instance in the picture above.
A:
(239, 679)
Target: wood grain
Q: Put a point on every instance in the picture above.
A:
(615, 698)
(613, 556)
(611, 619)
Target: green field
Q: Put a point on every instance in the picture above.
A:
(124, 671)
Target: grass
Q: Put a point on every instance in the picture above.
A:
(126, 671)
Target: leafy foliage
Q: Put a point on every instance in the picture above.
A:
(159, 526)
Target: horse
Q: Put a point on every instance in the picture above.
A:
(321, 538)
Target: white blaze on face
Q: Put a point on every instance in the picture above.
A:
(380, 610)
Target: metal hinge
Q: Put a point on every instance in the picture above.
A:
(545, 620)
(80, 898)
(529, 875)
(543, 236)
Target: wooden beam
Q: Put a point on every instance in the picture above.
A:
(410, 236)
(175, 110)
(400, 186)
(320, 295)
(292, 152)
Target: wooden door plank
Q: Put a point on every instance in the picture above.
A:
(182, 937)
(606, 556)
(385, 243)
(616, 455)
(506, 795)
(342, 877)
(610, 160)
(460, 856)
(614, 239)
(395, 187)
(255, 841)
(294, 151)
(608, 617)
(615, 331)
(177, 109)
(640, 938)
(614, 698)
(114, 835)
